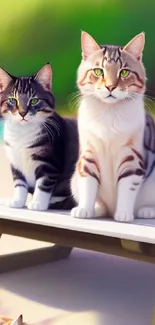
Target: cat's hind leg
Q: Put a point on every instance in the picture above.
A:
(130, 173)
(146, 212)
(145, 203)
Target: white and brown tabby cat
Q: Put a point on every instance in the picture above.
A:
(114, 175)
(9, 321)
(4, 320)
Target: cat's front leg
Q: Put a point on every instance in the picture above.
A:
(20, 190)
(45, 183)
(87, 178)
(130, 172)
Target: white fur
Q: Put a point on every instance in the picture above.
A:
(19, 136)
(55, 199)
(40, 199)
(108, 128)
(105, 121)
(18, 200)
(87, 196)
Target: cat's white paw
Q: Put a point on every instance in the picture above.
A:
(11, 203)
(123, 216)
(37, 205)
(82, 213)
(146, 213)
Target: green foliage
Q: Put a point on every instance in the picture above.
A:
(34, 32)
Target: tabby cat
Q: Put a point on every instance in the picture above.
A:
(115, 174)
(42, 146)
(9, 321)
(4, 320)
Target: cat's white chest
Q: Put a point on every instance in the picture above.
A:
(22, 160)
(105, 131)
(18, 153)
(107, 122)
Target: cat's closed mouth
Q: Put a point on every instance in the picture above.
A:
(110, 95)
(23, 119)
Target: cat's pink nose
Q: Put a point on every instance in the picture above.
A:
(110, 88)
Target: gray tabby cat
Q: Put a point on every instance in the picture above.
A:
(42, 146)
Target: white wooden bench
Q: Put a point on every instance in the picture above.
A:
(135, 241)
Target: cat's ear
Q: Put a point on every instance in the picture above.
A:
(135, 46)
(18, 321)
(88, 45)
(5, 78)
(44, 77)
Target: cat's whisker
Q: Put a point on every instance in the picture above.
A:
(146, 97)
(2, 123)
(148, 105)
(151, 91)
(149, 102)
(57, 129)
(74, 95)
(55, 125)
(148, 108)
(49, 131)
(73, 100)
(150, 97)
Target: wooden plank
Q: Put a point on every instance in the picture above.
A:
(153, 319)
(70, 238)
(17, 261)
(140, 230)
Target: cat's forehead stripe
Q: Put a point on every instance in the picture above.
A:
(112, 53)
(24, 86)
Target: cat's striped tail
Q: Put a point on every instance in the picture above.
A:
(67, 203)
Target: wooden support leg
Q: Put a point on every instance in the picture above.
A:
(137, 247)
(153, 319)
(17, 261)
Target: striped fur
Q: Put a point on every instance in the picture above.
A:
(88, 165)
(38, 141)
(118, 178)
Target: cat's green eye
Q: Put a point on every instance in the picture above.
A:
(34, 101)
(98, 72)
(124, 73)
(12, 101)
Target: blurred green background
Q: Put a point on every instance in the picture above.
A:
(34, 32)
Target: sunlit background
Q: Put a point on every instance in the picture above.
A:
(34, 32)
